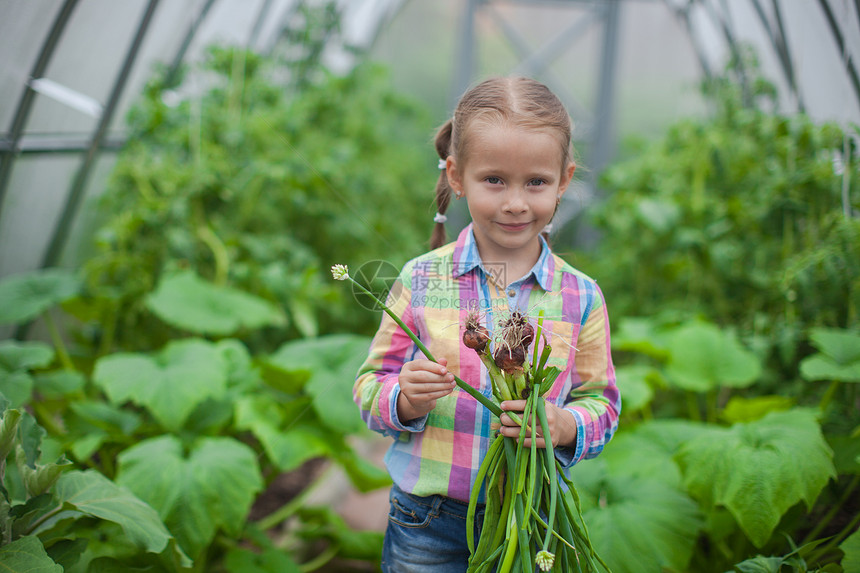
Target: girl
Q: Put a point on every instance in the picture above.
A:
(507, 152)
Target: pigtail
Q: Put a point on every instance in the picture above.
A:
(443, 188)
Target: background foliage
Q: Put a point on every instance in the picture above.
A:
(201, 352)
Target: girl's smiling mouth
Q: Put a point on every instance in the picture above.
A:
(514, 227)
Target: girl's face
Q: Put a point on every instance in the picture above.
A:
(512, 180)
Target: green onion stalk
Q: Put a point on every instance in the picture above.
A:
(529, 520)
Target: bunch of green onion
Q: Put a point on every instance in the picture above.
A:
(529, 520)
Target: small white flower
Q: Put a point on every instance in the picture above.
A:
(340, 272)
(544, 560)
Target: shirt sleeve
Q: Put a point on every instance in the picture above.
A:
(376, 386)
(594, 400)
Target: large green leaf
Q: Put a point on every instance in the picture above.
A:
(16, 358)
(171, 384)
(758, 470)
(637, 524)
(93, 494)
(632, 381)
(703, 358)
(851, 548)
(333, 361)
(210, 487)
(842, 346)
(25, 296)
(16, 355)
(838, 357)
(290, 435)
(27, 555)
(190, 303)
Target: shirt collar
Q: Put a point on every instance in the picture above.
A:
(466, 259)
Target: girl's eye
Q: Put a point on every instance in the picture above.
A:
(493, 180)
(536, 182)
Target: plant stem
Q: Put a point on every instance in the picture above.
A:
(45, 420)
(288, 509)
(824, 521)
(836, 540)
(62, 352)
(828, 395)
(489, 404)
(35, 525)
(320, 560)
(693, 406)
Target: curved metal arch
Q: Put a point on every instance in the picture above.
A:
(25, 102)
(76, 191)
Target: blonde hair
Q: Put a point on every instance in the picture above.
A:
(513, 101)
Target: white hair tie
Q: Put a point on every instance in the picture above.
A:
(443, 164)
(440, 218)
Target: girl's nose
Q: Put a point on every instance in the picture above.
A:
(515, 202)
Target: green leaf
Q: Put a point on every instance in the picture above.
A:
(16, 355)
(851, 548)
(187, 302)
(8, 431)
(27, 555)
(705, 358)
(823, 367)
(59, 383)
(741, 409)
(25, 296)
(363, 474)
(637, 524)
(841, 346)
(635, 453)
(760, 564)
(17, 387)
(640, 335)
(211, 487)
(39, 478)
(633, 384)
(334, 361)
(170, 385)
(93, 494)
(267, 560)
(758, 470)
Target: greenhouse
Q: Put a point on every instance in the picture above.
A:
(211, 213)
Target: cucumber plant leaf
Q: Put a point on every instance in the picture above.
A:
(333, 362)
(758, 470)
(16, 360)
(93, 494)
(289, 435)
(170, 384)
(704, 358)
(838, 357)
(25, 296)
(851, 548)
(633, 383)
(636, 523)
(27, 555)
(186, 301)
(210, 487)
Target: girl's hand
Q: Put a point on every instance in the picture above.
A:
(562, 428)
(422, 382)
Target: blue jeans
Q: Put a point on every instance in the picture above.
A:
(427, 534)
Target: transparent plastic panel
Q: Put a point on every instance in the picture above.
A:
(34, 199)
(23, 28)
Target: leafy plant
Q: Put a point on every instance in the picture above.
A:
(175, 445)
(257, 184)
(739, 217)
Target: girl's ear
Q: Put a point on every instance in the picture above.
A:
(455, 179)
(566, 178)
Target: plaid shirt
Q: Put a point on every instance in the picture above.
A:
(440, 453)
